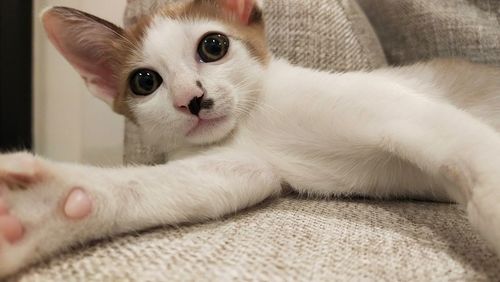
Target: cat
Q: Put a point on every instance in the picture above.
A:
(241, 126)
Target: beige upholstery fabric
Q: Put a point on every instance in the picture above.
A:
(292, 239)
(413, 30)
(323, 34)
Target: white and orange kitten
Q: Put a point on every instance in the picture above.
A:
(240, 125)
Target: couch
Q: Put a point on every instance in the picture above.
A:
(293, 238)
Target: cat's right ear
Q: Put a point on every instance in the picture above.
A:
(248, 12)
(90, 44)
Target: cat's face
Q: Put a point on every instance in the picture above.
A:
(187, 75)
(206, 79)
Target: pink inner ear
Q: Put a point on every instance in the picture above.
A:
(242, 8)
(95, 71)
(100, 80)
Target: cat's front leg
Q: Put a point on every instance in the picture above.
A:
(453, 147)
(46, 207)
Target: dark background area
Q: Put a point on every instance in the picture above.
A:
(15, 74)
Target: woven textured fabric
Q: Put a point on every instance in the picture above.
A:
(322, 34)
(294, 240)
(414, 30)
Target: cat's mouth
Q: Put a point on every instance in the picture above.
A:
(205, 125)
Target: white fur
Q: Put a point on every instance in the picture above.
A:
(386, 133)
(170, 49)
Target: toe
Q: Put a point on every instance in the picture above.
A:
(20, 168)
(78, 204)
(21, 163)
(11, 228)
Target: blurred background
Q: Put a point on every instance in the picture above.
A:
(44, 105)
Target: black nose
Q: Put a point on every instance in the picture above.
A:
(195, 105)
(199, 103)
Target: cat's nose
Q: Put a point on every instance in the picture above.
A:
(192, 99)
(199, 103)
(189, 101)
(194, 105)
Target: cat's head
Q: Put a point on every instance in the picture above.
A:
(187, 74)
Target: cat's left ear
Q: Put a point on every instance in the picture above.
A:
(247, 11)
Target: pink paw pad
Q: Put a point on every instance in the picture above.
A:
(11, 228)
(78, 204)
(3, 207)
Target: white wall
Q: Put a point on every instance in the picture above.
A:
(70, 124)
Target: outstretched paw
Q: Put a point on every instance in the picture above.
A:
(35, 201)
(484, 214)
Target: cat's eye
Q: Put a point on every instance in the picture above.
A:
(144, 82)
(213, 47)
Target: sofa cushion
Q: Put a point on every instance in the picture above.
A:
(292, 239)
(415, 30)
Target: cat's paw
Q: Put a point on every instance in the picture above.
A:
(36, 204)
(484, 214)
